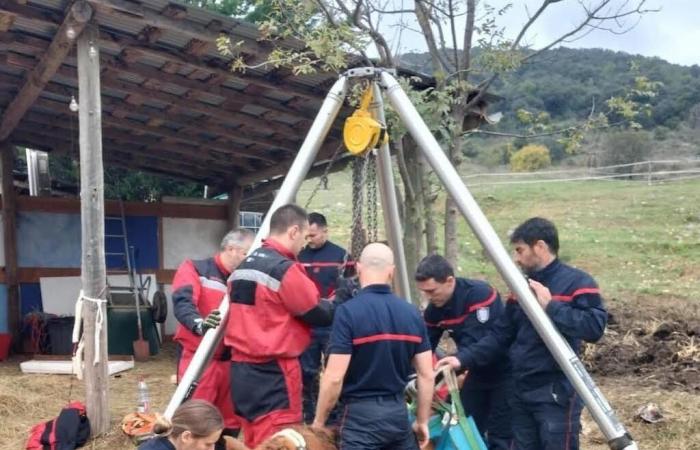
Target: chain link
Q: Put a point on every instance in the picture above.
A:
(359, 168)
(371, 186)
(323, 179)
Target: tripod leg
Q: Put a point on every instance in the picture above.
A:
(297, 172)
(390, 206)
(602, 413)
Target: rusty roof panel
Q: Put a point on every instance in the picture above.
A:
(168, 47)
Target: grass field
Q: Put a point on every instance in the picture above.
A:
(635, 239)
(642, 243)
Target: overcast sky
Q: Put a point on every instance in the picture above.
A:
(673, 33)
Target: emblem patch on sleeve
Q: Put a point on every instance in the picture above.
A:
(482, 314)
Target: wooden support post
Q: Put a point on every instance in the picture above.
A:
(9, 211)
(92, 213)
(235, 196)
(76, 18)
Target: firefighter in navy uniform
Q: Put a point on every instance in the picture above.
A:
(324, 262)
(467, 309)
(198, 288)
(274, 304)
(546, 410)
(376, 341)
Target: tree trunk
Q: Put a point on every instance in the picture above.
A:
(407, 153)
(431, 242)
(451, 212)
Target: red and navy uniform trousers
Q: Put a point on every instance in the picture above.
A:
(468, 316)
(271, 300)
(198, 288)
(546, 411)
(325, 266)
(382, 333)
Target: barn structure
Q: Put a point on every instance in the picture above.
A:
(170, 106)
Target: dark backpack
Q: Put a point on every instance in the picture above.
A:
(68, 431)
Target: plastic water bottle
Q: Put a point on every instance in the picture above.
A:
(144, 398)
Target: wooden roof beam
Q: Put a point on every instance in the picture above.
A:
(269, 187)
(110, 79)
(144, 161)
(77, 17)
(131, 11)
(214, 65)
(174, 153)
(175, 137)
(278, 170)
(128, 63)
(162, 19)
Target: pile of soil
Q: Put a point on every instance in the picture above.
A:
(664, 352)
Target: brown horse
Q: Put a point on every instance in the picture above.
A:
(314, 439)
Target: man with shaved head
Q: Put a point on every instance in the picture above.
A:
(376, 338)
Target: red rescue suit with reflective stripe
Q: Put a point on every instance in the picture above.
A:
(270, 293)
(198, 288)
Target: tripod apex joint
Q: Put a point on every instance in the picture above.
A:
(364, 72)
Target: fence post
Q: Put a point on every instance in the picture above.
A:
(649, 173)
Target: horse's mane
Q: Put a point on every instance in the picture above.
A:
(315, 440)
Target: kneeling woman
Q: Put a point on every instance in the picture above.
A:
(196, 425)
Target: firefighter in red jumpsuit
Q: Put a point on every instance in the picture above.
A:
(274, 304)
(198, 288)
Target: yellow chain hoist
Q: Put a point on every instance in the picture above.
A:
(362, 131)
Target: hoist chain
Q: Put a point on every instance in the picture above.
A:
(359, 167)
(323, 179)
(371, 183)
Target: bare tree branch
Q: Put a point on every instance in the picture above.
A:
(536, 135)
(423, 22)
(443, 54)
(329, 16)
(483, 87)
(590, 14)
(453, 29)
(403, 170)
(468, 36)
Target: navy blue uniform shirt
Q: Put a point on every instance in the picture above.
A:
(468, 316)
(383, 333)
(324, 265)
(576, 310)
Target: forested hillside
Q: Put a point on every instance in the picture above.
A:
(564, 82)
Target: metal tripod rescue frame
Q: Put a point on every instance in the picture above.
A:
(384, 80)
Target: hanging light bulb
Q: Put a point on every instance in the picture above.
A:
(73, 106)
(70, 33)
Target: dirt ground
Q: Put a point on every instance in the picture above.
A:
(660, 350)
(641, 359)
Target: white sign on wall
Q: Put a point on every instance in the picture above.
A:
(190, 239)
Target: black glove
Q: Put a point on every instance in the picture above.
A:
(211, 321)
(347, 289)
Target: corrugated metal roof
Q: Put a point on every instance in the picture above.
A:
(183, 74)
(117, 23)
